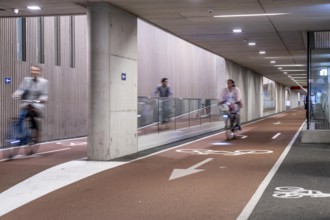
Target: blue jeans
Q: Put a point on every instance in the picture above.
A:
(31, 113)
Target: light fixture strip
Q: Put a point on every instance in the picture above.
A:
(294, 70)
(248, 15)
(34, 7)
(291, 65)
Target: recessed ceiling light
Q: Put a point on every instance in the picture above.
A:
(295, 70)
(15, 11)
(262, 52)
(237, 30)
(272, 61)
(252, 43)
(291, 65)
(280, 68)
(34, 7)
(248, 15)
(285, 73)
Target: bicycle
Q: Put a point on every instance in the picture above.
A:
(20, 133)
(231, 120)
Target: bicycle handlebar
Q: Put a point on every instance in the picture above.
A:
(30, 101)
(27, 101)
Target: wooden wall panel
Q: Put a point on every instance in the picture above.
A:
(66, 112)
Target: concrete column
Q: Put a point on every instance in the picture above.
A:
(112, 51)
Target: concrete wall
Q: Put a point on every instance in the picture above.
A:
(193, 72)
(112, 121)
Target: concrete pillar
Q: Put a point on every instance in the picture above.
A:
(112, 112)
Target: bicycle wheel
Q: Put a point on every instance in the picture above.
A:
(234, 127)
(12, 134)
(229, 133)
(26, 135)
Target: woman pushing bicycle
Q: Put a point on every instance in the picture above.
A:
(33, 92)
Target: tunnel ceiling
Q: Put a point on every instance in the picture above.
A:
(281, 33)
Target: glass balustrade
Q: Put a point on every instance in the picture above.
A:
(157, 115)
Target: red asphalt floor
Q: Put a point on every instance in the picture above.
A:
(209, 178)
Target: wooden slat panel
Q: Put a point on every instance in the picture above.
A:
(66, 111)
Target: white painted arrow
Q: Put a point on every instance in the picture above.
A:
(177, 173)
(277, 123)
(242, 136)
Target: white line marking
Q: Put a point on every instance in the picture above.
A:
(52, 151)
(276, 135)
(50, 180)
(20, 156)
(222, 152)
(257, 195)
(222, 143)
(77, 143)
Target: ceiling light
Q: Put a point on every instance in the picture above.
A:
(34, 7)
(291, 65)
(295, 70)
(15, 11)
(273, 61)
(285, 73)
(262, 52)
(252, 43)
(248, 15)
(324, 72)
(280, 68)
(237, 30)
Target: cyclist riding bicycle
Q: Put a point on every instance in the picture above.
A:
(33, 91)
(231, 98)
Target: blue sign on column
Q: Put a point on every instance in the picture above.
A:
(7, 80)
(123, 76)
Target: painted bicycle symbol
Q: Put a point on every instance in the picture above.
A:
(292, 192)
(222, 152)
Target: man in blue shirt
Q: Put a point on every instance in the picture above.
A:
(164, 91)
